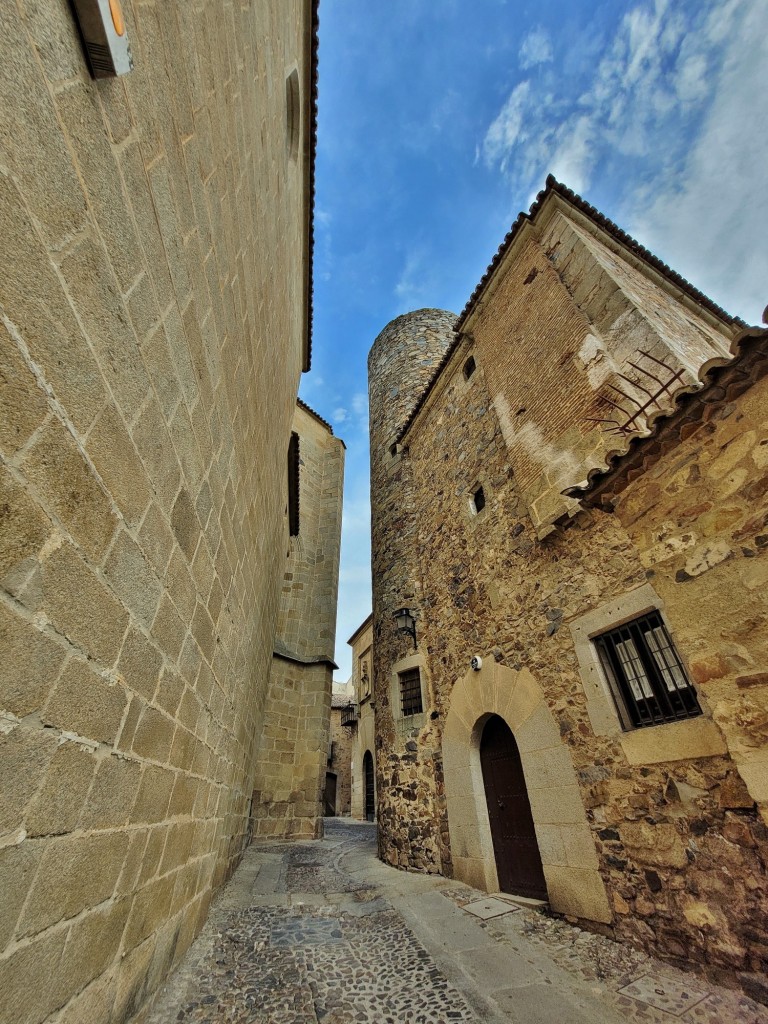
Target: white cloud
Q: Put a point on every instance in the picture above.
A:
(416, 281)
(710, 222)
(360, 403)
(535, 49)
(671, 120)
(505, 132)
(339, 415)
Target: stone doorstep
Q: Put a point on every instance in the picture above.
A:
(490, 907)
(521, 901)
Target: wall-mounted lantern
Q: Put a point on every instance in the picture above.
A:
(105, 39)
(406, 623)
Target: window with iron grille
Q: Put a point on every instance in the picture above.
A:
(410, 692)
(645, 673)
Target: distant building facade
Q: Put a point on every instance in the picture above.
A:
(156, 298)
(364, 739)
(338, 773)
(569, 493)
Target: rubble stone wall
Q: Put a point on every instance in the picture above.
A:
(676, 813)
(153, 267)
(401, 363)
(680, 844)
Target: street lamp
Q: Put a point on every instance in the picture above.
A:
(406, 623)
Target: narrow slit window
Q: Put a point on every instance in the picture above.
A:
(293, 485)
(478, 500)
(469, 367)
(292, 114)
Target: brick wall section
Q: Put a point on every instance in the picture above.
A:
(293, 752)
(681, 844)
(153, 269)
(565, 296)
(400, 365)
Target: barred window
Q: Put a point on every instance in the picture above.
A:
(645, 673)
(410, 692)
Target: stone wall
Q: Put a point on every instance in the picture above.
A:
(401, 363)
(154, 274)
(666, 817)
(364, 740)
(563, 293)
(342, 738)
(293, 752)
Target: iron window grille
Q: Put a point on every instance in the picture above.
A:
(410, 693)
(645, 673)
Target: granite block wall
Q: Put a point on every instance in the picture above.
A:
(154, 247)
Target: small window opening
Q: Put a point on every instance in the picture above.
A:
(531, 276)
(469, 367)
(292, 114)
(410, 692)
(293, 485)
(393, 449)
(478, 500)
(645, 673)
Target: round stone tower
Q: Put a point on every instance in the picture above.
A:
(401, 364)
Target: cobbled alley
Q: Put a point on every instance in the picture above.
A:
(324, 932)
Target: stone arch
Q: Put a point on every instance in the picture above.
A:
(568, 855)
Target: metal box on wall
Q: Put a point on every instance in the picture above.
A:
(103, 30)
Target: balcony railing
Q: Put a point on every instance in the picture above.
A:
(349, 715)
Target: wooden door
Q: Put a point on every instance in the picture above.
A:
(514, 840)
(370, 799)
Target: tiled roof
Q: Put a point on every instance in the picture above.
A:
(340, 700)
(303, 405)
(722, 380)
(553, 186)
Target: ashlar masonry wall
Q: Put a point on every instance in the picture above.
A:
(294, 745)
(153, 275)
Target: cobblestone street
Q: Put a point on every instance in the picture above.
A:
(323, 932)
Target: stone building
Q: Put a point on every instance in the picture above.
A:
(338, 772)
(569, 495)
(155, 290)
(292, 756)
(364, 740)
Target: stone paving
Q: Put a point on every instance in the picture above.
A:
(323, 933)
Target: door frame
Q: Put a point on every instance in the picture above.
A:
(566, 844)
(507, 751)
(369, 756)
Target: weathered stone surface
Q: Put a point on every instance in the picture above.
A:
(132, 414)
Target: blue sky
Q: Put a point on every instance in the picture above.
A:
(438, 123)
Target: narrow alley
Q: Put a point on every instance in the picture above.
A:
(324, 932)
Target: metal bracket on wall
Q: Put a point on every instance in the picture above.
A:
(651, 385)
(104, 35)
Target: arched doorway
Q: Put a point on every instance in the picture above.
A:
(516, 850)
(329, 796)
(370, 787)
